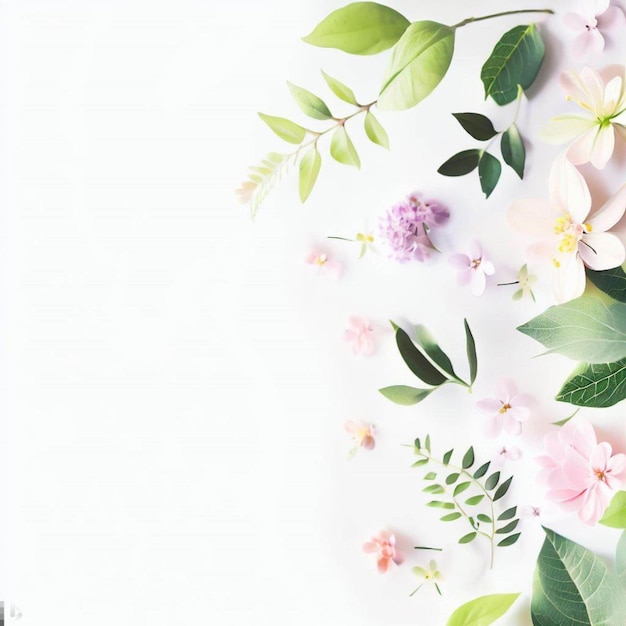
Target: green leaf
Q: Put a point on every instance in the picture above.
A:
(437, 504)
(468, 459)
(285, 129)
(492, 481)
(472, 358)
(477, 125)
(375, 131)
(612, 282)
(467, 538)
(509, 541)
(417, 362)
(595, 385)
(482, 470)
(509, 528)
(342, 149)
(573, 586)
(447, 456)
(426, 341)
(359, 28)
(452, 478)
(450, 517)
(418, 443)
(481, 517)
(474, 500)
(461, 487)
(309, 170)
(620, 559)
(343, 92)
(615, 515)
(502, 489)
(483, 611)
(420, 462)
(508, 514)
(420, 60)
(585, 329)
(311, 104)
(427, 443)
(489, 170)
(434, 489)
(430, 476)
(406, 396)
(461, 163)
(565, 419)
(513, 150)
(515, 60)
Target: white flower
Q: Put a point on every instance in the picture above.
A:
(595, 16)
(593, 133)
(568, 233)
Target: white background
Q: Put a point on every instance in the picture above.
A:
(175, 377)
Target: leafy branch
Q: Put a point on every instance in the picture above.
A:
(430, 364)
(458, 484)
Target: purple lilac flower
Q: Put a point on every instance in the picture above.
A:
(405, 228)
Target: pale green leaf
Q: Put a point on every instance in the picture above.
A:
(615, 515)
(311, 104)
(620, 559)
(343, 92)
(359, 28)
(483, 611)
(595, 385)
(406, 396)
(585, 329)
(309, 170)
(342, 149)
(285, 129)
(420, 61)
(375, 131)
(611, 282)
(573, 586)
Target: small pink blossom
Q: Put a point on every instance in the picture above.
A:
(328, 267)
(582, 475)
(594, 17)
(362, 435)
(528, 510)
(359, 336)
(509, 453)
(507, 409)
(473, 269)
(384, 545)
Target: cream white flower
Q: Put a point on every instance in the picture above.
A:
(592, 134)
(568, 232)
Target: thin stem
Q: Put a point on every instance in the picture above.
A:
(515, 282)
(414, 592)
(340, 238)
(425, 548)
(471, 20)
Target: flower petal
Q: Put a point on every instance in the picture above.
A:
(601, 251)
(594, 86)
(478, 282)
(460, 261)
(603, 147)
(610, 213)
(580, 151)
(370, 547)
(519, 413)
(490, 406)
(532, 217)
(565, 128)
(383, 564)
(575, 21)
(493, 426)
(569, 190)
(613, 17)
(505, 389)
(569, 280)
(612, 96)
(588, 42)
(511, 425)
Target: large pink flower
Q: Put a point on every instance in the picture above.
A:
(582, 475)
(595, 16)
(507, 409)
(384, 545)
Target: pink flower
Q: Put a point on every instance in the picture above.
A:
(362, 434)
(582, 475)
(509, 453)
(596, 15)
(359, 335)
(473, 269)
(507, 410)
(329, 268)
(384, 544)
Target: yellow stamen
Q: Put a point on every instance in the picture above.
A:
(505, 408)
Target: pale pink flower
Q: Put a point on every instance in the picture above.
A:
(330, 268)
(595, 16)
(362, 435)
(384, 545)
(359, 336)
(568, 232)
(509, 453)
(473, 269)
(527, 510)
(507, 409)
(591, 134)
(582, 475)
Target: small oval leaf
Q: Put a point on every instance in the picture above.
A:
(474, 500)
(285, 129)
(452, 478)
(509, 541)
(484, 518)
(375, 132)
(342, 149)
(489, 170)
(461, 487)
(311, 104)
(343, 92)
(450, 517)
(509, 528)
(406, 396)
(461, 163)
(470, 348)
(477, 125)
(468, 458)
(502, 489)
(492, 481)
(309, 170)
(482, 611)
(467, 538)
(513, 150)
(508, 514)
(482, 470)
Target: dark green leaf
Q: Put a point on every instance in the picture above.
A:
(612, 282)
(474, 500)
(461, 487)
(471, 353)
(477, 125)
(509, 528)
(426, 341)
(509, 541)
(450, 517)
(447, 456)
(508, 514)
(343, 92)
(513, 150)
(374, 130)
(461, 163)
(492, 481)
(484, 518)
(482, 470)
(489, 170)
(434, 489)
(515, 60)
(437, 504)
(467, 538)
(311, 104)
(452, 478)
(417, 443)
(502, 489)
(595, 385)
(359, 28)
(285, 129)
(417, 362)
(406, 396)
(468, 458)
(309, 170)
